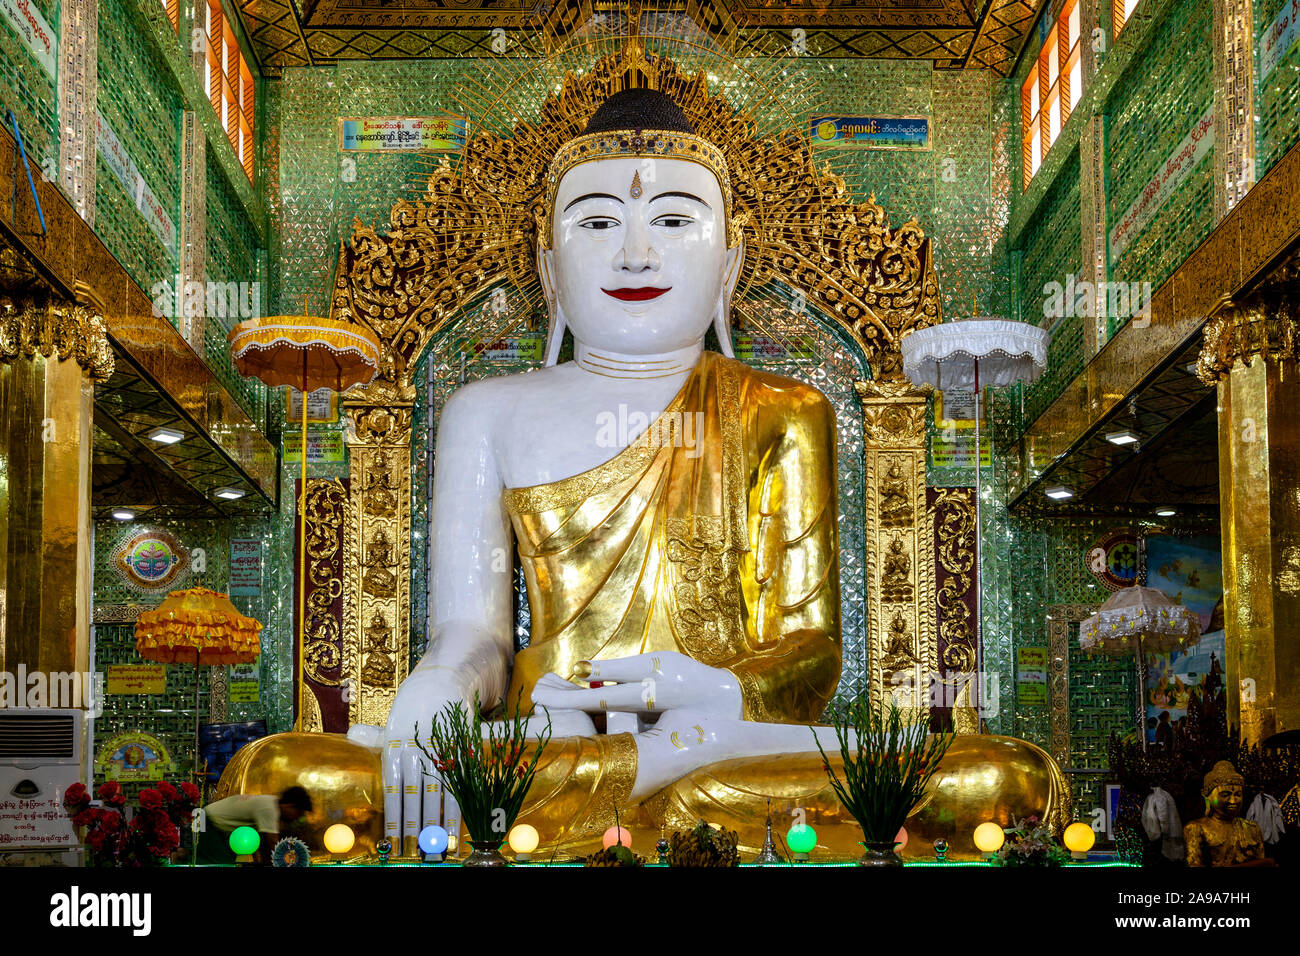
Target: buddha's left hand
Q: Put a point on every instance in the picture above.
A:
(646, 683)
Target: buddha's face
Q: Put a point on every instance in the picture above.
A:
(638, 261)
(1225, 801)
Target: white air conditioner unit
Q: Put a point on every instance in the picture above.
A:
(41, 755)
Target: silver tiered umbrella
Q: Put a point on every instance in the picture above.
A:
(975, 354)
(1138, 620)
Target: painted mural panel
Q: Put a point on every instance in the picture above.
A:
(1190, 571)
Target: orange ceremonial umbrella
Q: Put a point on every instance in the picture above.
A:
(201, 627)
(309, 353)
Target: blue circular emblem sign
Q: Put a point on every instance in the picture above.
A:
(1114, 560)
(151, 559)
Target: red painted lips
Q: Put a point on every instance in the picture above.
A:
(636, 295)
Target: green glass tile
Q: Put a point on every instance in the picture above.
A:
(144, 111)
(1152, 108)
(1277, 95)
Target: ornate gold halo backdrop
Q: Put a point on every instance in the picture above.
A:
(474, 226)
(809, 248)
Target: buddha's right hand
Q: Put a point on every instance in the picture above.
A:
(414, 796)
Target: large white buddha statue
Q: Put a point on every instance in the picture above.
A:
(684, 585)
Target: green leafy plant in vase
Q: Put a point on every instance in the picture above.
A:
(488, 767)
(888, 757)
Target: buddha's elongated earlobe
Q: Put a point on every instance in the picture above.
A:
(722, 326)
(555, 315)
(722, 315)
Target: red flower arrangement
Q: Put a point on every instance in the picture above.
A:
(110, 792)
(152, 834)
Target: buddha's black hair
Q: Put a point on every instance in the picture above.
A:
(639, 109)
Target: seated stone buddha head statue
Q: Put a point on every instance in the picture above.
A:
(638, 247)
(1222, 789)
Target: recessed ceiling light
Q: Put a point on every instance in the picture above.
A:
(1166, 512)
(1125, 437)
(122, 514)
(166, 436)
(230, 494)
(1059, 492)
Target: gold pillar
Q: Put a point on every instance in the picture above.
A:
(49, 356)
(899, 544)
(1251, 350)
(376, 547)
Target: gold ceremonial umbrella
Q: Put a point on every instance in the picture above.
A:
(309, 353)
(197, 626)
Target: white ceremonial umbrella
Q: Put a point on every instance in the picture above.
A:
(975, 354)
(1138, 620)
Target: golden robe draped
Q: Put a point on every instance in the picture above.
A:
(714, 535)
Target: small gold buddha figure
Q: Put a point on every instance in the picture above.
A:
(896, 573)
(900, 653)
(895, 498)
(378, 669)
(378, 580)
(379, 496)
(1222, 837)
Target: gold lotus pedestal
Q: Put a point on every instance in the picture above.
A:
(982, 777)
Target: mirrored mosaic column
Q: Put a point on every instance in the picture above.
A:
(194, 222)
(50, 356)
(78, 99)
(1092, 181)
(1234, 103)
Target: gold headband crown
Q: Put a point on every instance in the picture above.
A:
(649, 143)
